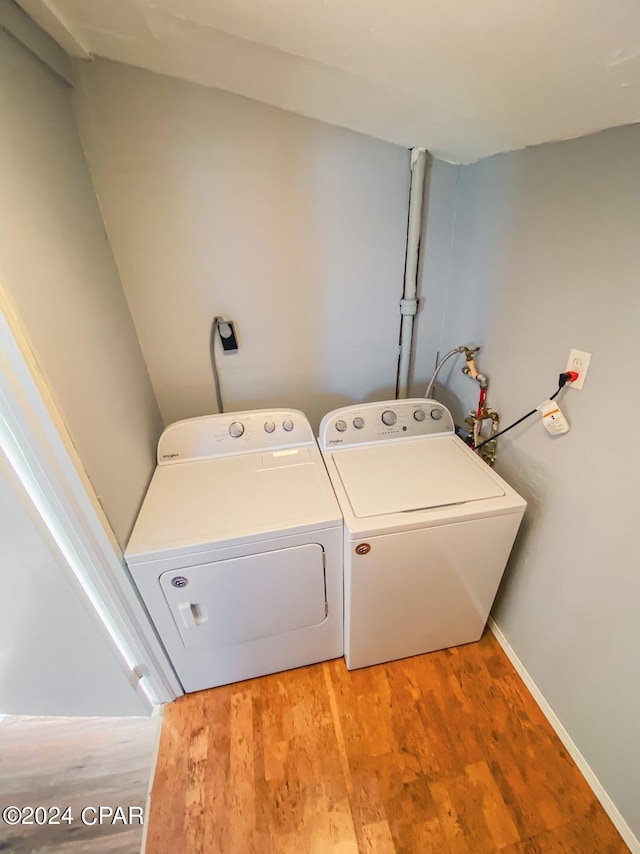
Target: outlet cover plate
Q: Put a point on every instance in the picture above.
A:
(578, 361)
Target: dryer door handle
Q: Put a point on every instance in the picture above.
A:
(192, 615)
(188, 614)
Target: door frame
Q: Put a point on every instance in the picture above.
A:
(35, 439)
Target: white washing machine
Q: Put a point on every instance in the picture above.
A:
(237, 550)
(428, 528)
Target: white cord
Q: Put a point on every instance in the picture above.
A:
(217, 321)
(438, 366)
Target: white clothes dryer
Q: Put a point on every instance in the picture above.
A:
(428, 528)
(237, 549)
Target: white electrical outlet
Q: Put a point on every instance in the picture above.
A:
(578, 361)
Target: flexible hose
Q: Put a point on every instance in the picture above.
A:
(439, 366)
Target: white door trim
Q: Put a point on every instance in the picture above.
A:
(37, 443)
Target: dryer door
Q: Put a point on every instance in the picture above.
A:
(232, 601)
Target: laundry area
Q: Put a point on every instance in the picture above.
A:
(311, 322)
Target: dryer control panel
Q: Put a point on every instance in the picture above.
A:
(384, 421)
(232, 433)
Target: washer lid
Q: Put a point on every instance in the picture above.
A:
(210, 501)
(397, 477)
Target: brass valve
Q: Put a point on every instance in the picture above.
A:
(474, 421)
(470, 368)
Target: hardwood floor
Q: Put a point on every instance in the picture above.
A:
(445, 752)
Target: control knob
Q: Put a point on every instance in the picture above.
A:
(287, 425)
(419, 415)
(341, 425)
(389, 417)
(236, 429)
(358, 423)
(436, 414)
(269, 426)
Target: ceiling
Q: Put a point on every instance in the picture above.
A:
(463, 78)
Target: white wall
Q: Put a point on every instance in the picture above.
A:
(54, 657)
(546, 257)
(215, 204)
(57, 264)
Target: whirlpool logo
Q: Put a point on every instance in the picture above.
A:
(170, 456)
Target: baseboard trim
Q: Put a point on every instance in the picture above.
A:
(158, 714)
(598, 790)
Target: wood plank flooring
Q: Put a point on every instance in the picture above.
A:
(445, 753)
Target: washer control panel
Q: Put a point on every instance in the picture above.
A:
(384, 421)
(234, 433)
